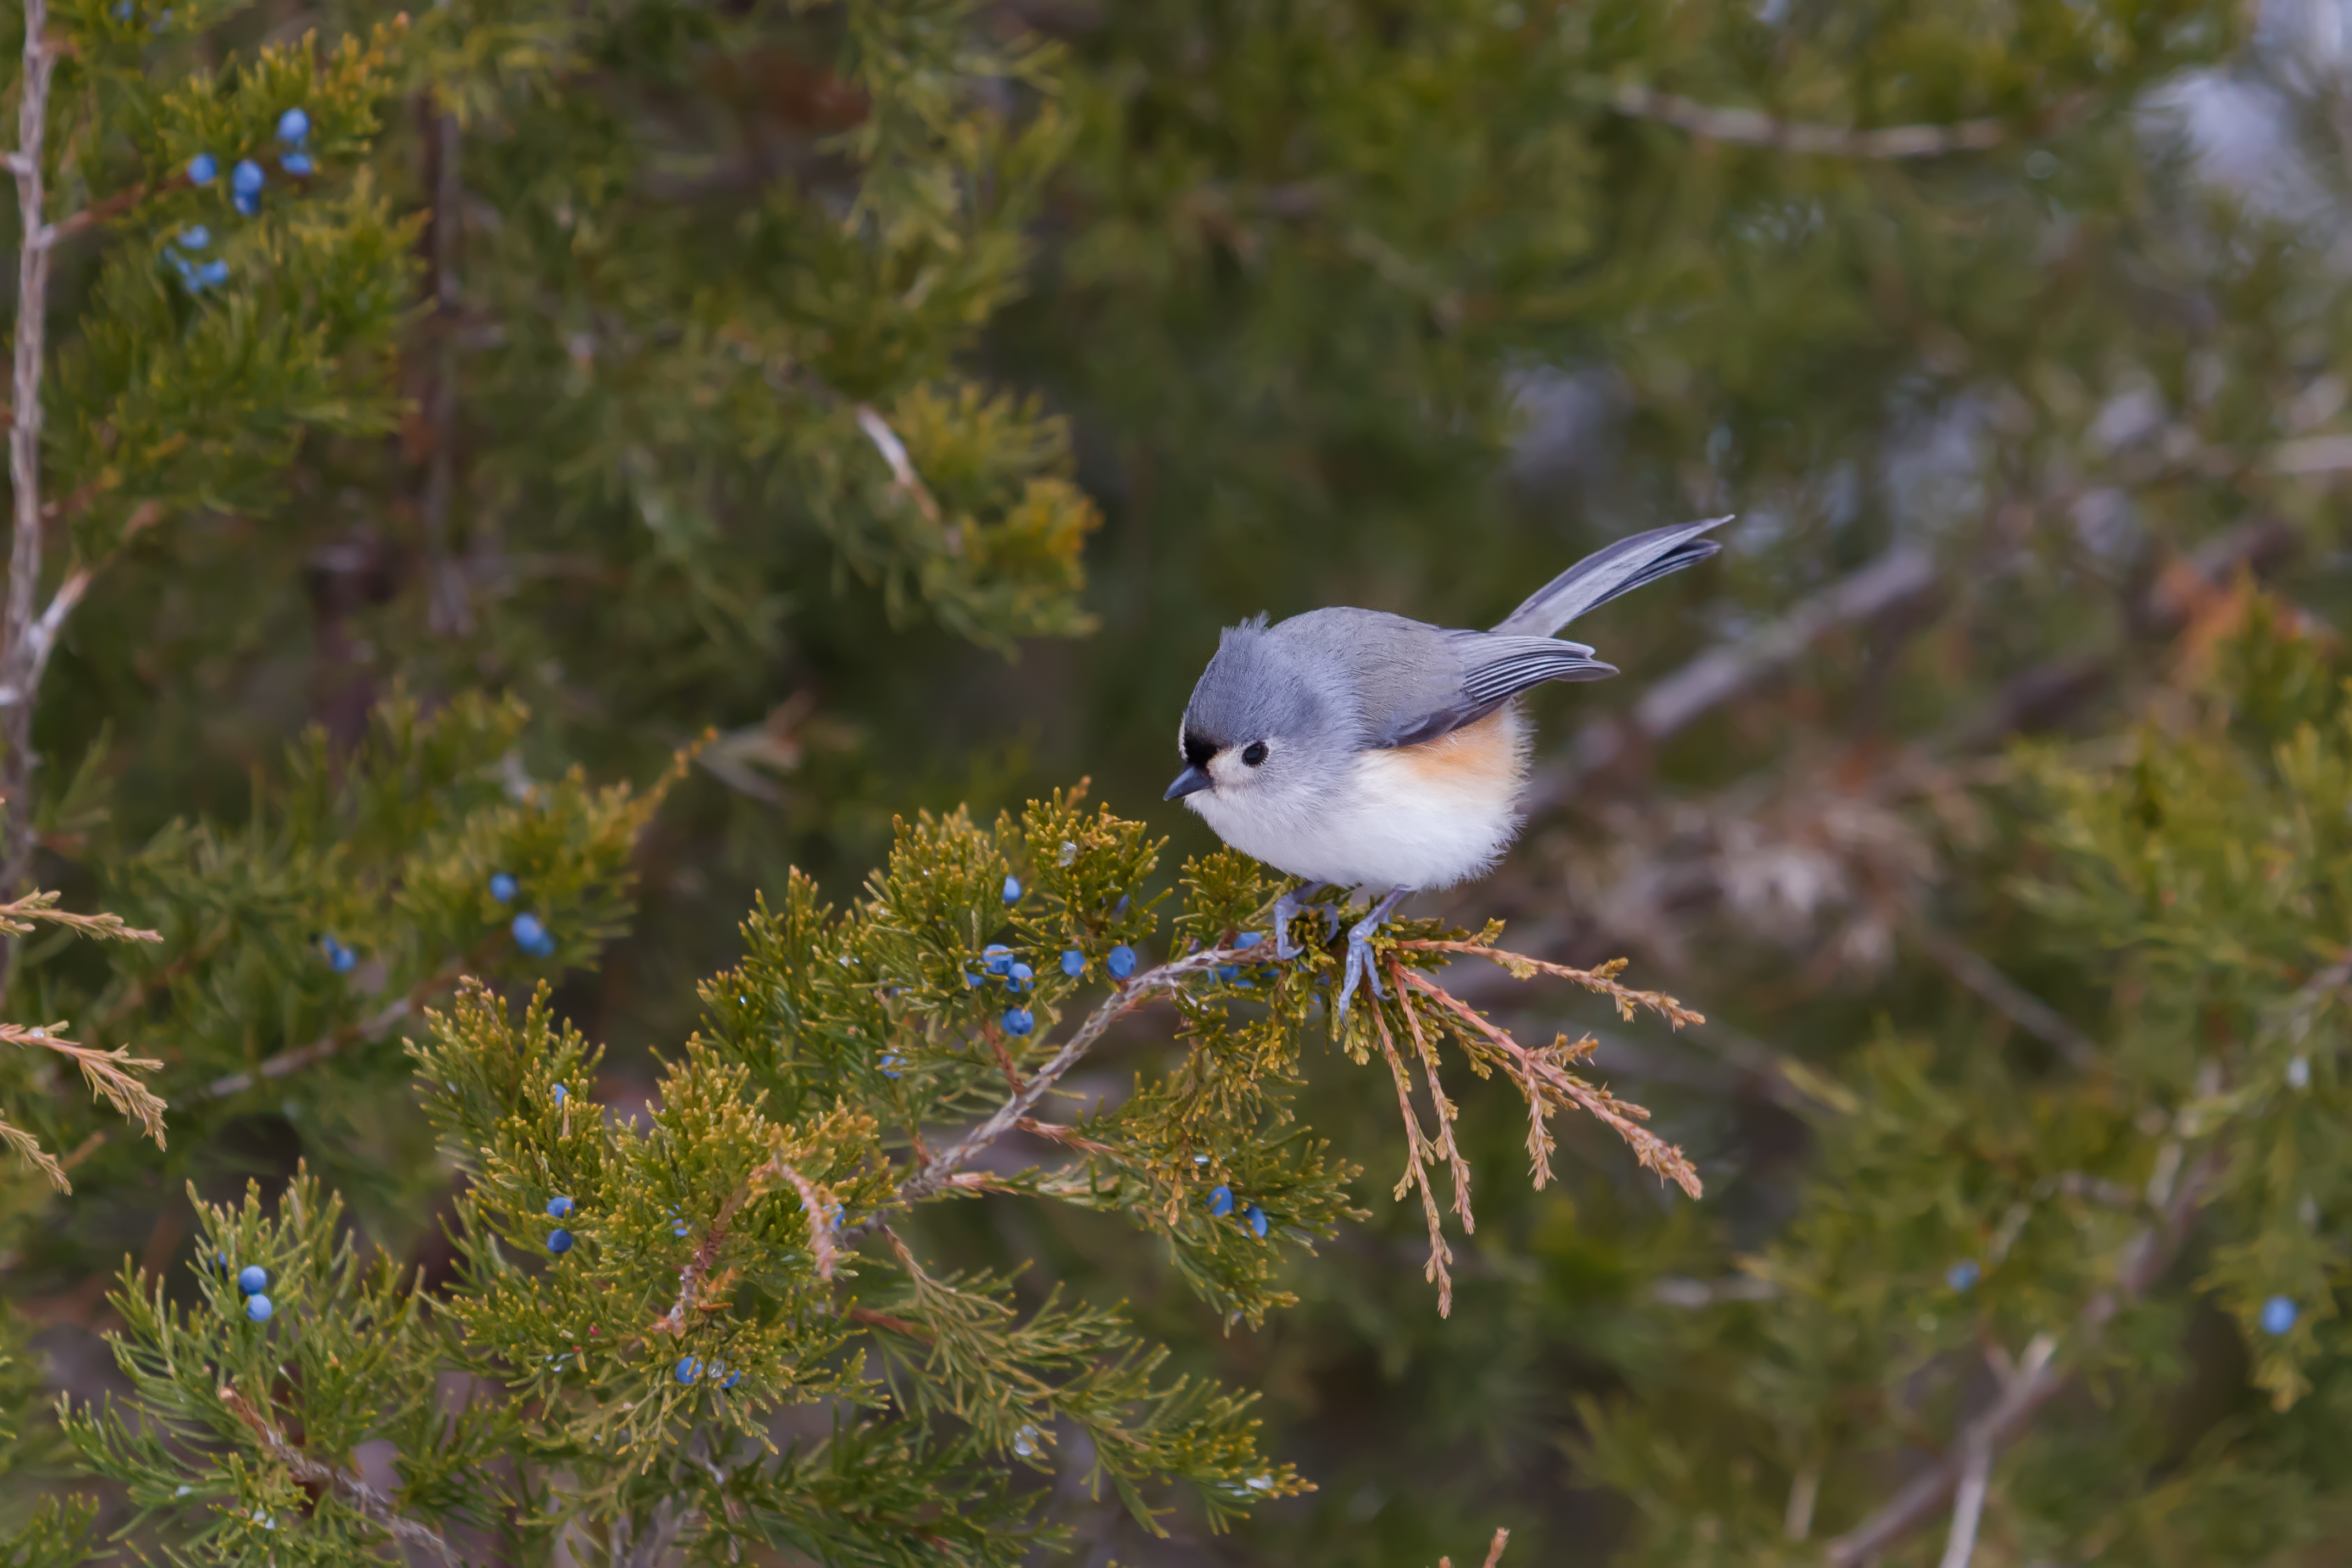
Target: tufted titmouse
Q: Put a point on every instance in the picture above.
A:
(1358, 750)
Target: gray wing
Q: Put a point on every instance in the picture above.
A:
(1412, 682)
(1613, 570)
(1397, 671)
(1491, 671)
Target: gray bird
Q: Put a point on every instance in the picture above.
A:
(1359, 749)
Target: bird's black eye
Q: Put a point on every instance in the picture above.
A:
(1253, 753)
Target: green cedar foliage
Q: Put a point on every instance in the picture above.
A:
(358, 889)
(705, 391)
(176, 391)
(638, 1296)
(648, 1293)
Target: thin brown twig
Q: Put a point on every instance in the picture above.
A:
(105, 210)
(334, 1040)
(1555, 1083)
(1005, 1059)
(1539, 1138)
(28, 1149)
(20, 915)
(696, 1269)
(819, 1209)
(1060, 1134)
(1446, 1113)
(141, 991)
(111, 1075)
(695, 1273)
(897, 1325)
(108, 1073)
(939, 1172)
(1416, 1170)
(1601, 981)
(371, 1503)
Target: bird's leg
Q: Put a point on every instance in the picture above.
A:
(1359, 949)
(1286, 910)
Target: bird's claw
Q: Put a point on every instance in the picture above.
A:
(1286, 910)
(1360, 965)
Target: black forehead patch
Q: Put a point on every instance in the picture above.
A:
(1198, 749)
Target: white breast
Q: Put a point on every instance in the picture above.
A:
(1416, 816)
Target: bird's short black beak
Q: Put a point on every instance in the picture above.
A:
(1189, 781)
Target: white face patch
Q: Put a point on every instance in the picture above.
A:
(1230, 772)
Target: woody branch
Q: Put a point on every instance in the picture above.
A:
(26, 636)
(940, 1172)
(376, 1506)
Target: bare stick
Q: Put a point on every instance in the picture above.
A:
(448, 608)
(2311, 455)
(18, 658)
(668, 1521)
(903, 477)
(329, 1044)
(2039, 1377)
(2007, 998)
(1968, 1502)
(1675, 1290)
(362, 1496)
(1748, 127)
(1903, 574)
(1804, 1490)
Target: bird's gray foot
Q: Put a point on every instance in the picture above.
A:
(1286, 910)
(1360, 950)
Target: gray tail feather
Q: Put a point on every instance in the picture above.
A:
(1630, 564)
